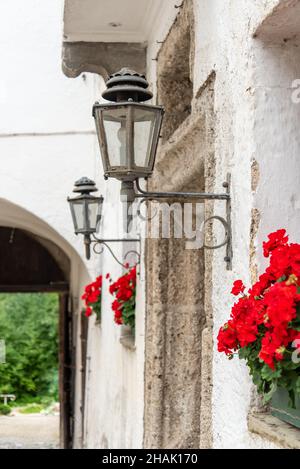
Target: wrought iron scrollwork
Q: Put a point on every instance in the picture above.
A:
(139, 213)
(98, 246)
(136, 192)
(227, 232)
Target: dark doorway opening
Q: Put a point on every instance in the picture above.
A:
(32, 264)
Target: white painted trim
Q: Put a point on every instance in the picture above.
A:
(168, 13)
(151, 15)
(96, 36)
(151, 18)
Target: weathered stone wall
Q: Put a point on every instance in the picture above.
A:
(175, 71)
(179, 318)
(102, 58)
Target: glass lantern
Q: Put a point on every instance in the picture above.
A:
(86, 208)
(128, 130)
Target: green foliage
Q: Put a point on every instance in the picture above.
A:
(28, 324)
(128, 312)
(97, 308)
(286, 373)
(32, 409)
(23, 401)
(4, 409)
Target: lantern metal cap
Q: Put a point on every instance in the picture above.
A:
(127, 85)
(85, 185)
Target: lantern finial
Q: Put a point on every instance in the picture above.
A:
(85, 185)
(127, 85)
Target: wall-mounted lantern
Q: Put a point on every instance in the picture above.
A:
(86, 210)
(128, 132)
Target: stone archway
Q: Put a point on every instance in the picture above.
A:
(35, 258)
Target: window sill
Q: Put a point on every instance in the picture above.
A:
(274, 430)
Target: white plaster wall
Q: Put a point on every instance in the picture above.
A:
(114, 399)
(47, 137)
(278, 144)
(114, 381)
(238, 61)
(114, 417)
(234, 105)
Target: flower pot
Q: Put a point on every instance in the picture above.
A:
(127, 337)
(280, 408)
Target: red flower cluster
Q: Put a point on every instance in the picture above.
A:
(238, 287)
(242, 329)
(275, 240)
(92, 298)
(269, 315)
(124, 304)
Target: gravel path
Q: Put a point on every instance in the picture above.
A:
(33, 431)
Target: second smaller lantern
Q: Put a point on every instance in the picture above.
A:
(86, 210)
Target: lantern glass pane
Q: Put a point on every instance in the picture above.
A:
(94, 208)
(79, 213)
(114, 121)
(144, 127)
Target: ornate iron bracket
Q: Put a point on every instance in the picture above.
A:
(98, 246)
(131, 191)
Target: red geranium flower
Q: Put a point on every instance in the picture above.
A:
(124, 304)
(227, 339)
(92, 298)
(276, 239)
(238, 287)
(88, 311)
(265, 322)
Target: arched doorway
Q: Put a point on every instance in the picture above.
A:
(31, 264)
(37, 259)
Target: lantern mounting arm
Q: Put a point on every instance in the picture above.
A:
(181, 195)
(130, 191)
(99, 244)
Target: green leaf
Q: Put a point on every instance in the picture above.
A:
(268, 374)
(244, 353)
(268, 396)
(292, 399)
(257, 379)
(281, 279)
(297, 385)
